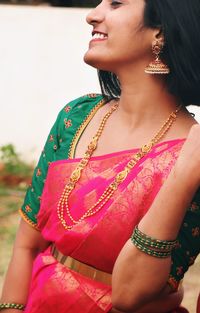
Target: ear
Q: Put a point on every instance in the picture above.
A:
(158, 36)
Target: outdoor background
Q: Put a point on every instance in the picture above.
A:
(41, 69)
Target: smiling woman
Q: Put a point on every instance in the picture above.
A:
(110, 222)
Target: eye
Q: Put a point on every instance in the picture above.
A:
(115, 3)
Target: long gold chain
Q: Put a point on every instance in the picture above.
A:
(120, 177)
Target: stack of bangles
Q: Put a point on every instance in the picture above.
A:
(15, 306)
(151, 246)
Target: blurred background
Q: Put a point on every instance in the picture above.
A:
(41, 69)
(61, 3)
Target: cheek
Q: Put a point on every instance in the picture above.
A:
(127, 43)
(132, 45)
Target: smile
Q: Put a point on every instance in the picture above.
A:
(99, 36)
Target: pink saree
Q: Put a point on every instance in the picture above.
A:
(97, 240)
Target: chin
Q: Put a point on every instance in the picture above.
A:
(97, 61)
(91, 59)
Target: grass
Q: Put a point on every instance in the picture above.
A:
(3, 191)
(7, 235)
(11, 200)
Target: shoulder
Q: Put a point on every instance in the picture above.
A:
(75, 111)
(78, 109)
(82, 104)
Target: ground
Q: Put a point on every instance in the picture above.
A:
(10, 201)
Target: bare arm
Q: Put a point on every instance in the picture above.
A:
(163, 304)
(27, 245)
(139, 278)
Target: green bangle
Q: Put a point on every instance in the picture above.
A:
(152, 244)
(154, 253)
(12, 306)
(152, 240)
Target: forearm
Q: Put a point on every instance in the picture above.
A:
(137, 277)
(29, 242)
(163, 304)
(18, 276)
(166, 214)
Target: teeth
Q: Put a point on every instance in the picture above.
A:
(99, 36)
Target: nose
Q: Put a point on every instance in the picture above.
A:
(95, 16)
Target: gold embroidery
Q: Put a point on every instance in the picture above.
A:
(91, 95)
(192, 260)
(196, 232)
(51, 138)
(64, 279)
(173, 283)
(26, 218)
(38, 173)
(179, 270)
(194, 207)
(48, 259)
(28, 208)
(68, 123)
(67, 108)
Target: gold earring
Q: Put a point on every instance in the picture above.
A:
(157, 66)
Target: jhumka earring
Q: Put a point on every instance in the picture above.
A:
(157, 66)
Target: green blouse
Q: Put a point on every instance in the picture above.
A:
(61, 143)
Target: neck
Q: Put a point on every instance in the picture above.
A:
(144, 99)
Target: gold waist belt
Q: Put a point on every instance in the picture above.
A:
(82, 268)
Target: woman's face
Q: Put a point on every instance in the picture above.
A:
(118, 36)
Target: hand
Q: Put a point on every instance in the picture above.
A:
(188, 162)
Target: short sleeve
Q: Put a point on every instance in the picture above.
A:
(57, 147)
(32, 199)
(188, 243)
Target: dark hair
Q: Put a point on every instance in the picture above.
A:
(179, 21)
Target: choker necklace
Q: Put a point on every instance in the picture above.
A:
(63, 206)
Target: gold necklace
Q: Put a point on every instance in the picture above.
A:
(120, 177)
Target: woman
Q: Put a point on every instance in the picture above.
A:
(118, 166)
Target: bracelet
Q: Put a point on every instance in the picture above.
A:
(12, 306)
(155, 242)
(152, 246)
(151, 252)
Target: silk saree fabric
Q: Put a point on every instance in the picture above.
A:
(98, 239)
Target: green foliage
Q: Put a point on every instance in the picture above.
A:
(12, 163)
